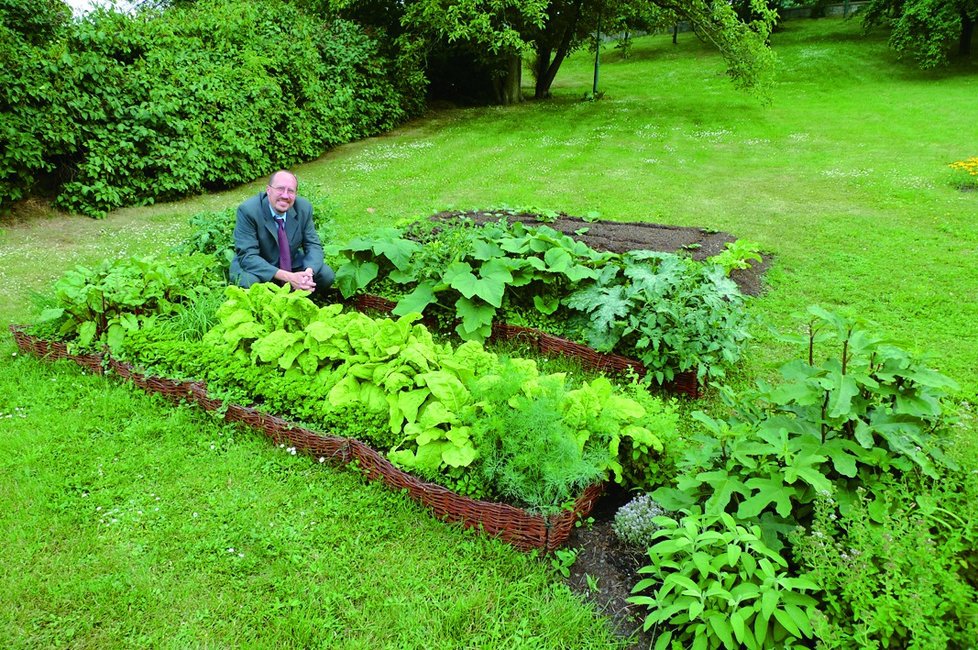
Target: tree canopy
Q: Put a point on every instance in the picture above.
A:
(926, 29)
(503, 32)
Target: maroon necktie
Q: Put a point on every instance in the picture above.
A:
(284, 254)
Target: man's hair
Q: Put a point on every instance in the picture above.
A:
(271, 179)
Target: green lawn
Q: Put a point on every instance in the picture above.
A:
(843, 178)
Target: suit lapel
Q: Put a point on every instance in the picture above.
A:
(269, 220)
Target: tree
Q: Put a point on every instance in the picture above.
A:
(502, 32)
(926, 29)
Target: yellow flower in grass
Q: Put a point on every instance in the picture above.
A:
(969, 166)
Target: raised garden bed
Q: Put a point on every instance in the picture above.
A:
(524, 530)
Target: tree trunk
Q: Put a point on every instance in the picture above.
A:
(967, 32)
(508, 86)
(547, 69)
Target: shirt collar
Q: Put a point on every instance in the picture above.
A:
(276, 215)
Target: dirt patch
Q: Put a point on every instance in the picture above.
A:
(624, 236)
(606, 570)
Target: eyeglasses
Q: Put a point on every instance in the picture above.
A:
(285, 191)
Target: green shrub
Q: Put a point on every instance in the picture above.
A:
(899, 568)
(134, 108)
(867, 410)
(526, 448)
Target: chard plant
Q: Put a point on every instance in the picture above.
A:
(98, 306)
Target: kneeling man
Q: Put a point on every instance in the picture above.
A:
(275, 239)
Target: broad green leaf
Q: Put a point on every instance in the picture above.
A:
(840, 399)
(86, 333)
(269, 348)
(114, 336)
(459, 456)
(477, 318)
(546, 304)
(447, 389)
(416, 301)
(787, 622)
(50, 314)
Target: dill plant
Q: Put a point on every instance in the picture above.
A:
(527, 450)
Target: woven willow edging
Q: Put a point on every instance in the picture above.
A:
(684, 383)
(524, 530)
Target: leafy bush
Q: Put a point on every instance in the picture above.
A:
(737, 255)
(868, 410)
(717, 585)
(526, 448)
(635, 522)
(133, 108)
(34, 127)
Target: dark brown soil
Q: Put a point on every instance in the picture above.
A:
(622, 236)
(606, 570)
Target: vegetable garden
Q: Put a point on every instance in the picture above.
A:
(729, 566)
(821, 491)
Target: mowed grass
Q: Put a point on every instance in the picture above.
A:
(842, 178)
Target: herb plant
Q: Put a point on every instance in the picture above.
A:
(715, 584)
(635, 522)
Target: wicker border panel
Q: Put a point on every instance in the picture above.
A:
(561, 526)
(515, 526)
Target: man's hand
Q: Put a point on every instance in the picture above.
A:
(300, 281)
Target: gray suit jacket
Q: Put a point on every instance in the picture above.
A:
(256, 239)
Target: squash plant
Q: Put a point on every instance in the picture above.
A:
(469, 272)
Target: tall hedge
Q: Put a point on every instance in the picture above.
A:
(129, 109)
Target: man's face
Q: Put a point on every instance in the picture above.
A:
(281, 193)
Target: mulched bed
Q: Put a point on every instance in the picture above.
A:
(623, 236)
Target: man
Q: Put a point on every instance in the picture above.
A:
(275, 239)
